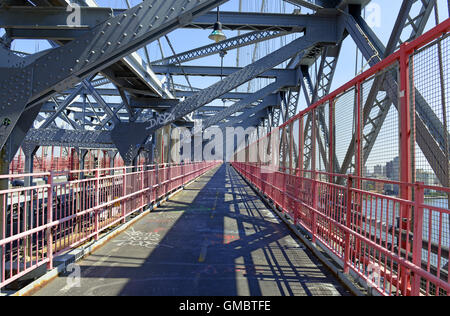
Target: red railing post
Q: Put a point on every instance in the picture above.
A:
(284, 193)
(97, 202)
(301, 144)
(49, 221)
(183, 171)
(291, 149)
(142, 187)
(348, 224)
(417, 236)
(157, 183)
(405, 157)
(331, 140)
(124, 193)
(169, 176)
(405, 124)
(315, 205)
(359, 144)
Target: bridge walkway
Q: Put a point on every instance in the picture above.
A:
(215, 238)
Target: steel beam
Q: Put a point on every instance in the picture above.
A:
(226, 96)
(259, 110)
(216, 71)
(107, 43)
(326, 33)
(76, 107)
(239, 106)
(180, 93)
(61, 137)
(50, 18)
(249, 103)
(225, 45)
(252, 21)
(103, 104)
(126, 103)
(51, 22)
(153, 103)
(61, 107)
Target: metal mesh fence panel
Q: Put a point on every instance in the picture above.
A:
(296, 144)
(344, 118)
(430, 95)
(380, 134)
(322, 132)
(429, 84)
(307, 139)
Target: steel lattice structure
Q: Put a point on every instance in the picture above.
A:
(93, 62)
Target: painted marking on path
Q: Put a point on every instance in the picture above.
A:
(141, 239)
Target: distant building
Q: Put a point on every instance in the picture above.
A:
(365, 171)
(379, 171)
(393, 169)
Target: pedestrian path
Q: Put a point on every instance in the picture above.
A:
(215, 238)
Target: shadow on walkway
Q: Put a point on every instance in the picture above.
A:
(215, 238)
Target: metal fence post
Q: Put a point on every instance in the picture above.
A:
(359, 140)
(417, 236)
(405, 154)
(315, 205)
(183, 172)
(169, 176)
(49, 232)
(124, 193)
(142, 188)
(348, 224)
(301, 144)
(331, 140)
(97, 201)
(284, 193)
(157, 182)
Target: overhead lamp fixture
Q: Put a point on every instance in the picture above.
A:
(217, 35)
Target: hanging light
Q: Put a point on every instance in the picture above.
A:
(217, 35)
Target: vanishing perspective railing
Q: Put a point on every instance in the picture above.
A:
(31, 235)
(365, 170)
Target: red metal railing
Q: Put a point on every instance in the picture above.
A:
(45, 160)
(397, 239)
(361, 229)
(31, 235)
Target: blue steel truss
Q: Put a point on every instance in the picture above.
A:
(97, 61)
